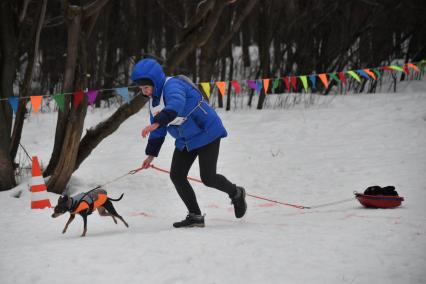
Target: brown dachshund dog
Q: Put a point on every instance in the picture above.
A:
(84, 204)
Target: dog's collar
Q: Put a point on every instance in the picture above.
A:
(72, 206)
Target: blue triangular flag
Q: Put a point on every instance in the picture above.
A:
(313, 79)
(363, 74)
(123, 92)
(259, 85)
(13, 101)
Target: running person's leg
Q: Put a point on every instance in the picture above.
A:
(207, 158)
(181, 163)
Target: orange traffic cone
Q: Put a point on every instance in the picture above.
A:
(39, 199)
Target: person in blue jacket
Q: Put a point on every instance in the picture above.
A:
(176, 106)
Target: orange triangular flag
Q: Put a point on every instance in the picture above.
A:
(370, 73)
(324, 79)
(221, 86)
(265, 85)
(413, 66)
(36, 102)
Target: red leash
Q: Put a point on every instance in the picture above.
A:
(254, 196)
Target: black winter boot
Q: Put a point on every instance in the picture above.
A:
(239, 201)
(191, 220)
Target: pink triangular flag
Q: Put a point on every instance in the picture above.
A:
(236, 86)
(91, 96)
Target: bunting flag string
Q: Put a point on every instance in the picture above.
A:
(290, 83)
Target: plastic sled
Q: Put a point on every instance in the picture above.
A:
(379, 201)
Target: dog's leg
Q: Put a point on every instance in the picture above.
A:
(110, 208)
(84, 216)
(72, 216)
(103, 213)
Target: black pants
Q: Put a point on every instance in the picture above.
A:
(207, 158)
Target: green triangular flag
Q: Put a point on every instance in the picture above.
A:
(60, 101)
(354, 75)
(397, 68)
(275, 85)
(377, 72)
(304, 80)
(334, 77)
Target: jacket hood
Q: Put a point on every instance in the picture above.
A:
(150, 69)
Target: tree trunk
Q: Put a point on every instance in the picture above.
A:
(70, 122)
(74, 30)
(231, 75)
(8, 57)
(67, 140)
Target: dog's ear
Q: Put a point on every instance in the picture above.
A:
(63, 198)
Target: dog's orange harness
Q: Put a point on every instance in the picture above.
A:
(84, 205)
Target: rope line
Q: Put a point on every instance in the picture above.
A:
(132, 172)
(251, 195)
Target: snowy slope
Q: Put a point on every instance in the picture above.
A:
(307, 156)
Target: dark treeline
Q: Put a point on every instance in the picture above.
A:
(50, 46)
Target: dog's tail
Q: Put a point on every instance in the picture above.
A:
(118, 199)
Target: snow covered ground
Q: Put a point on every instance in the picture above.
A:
(305, 156)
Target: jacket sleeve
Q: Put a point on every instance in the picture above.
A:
(155, 140)
(154, 146)
(174, 99)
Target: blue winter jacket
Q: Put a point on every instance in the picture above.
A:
(181, 99)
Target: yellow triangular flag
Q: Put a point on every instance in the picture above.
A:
(265, 85)
(36, 102)
(221, 86)
(206, 88)
(304, 80)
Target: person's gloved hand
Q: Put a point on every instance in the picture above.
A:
(149, 128)
(147, 162)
